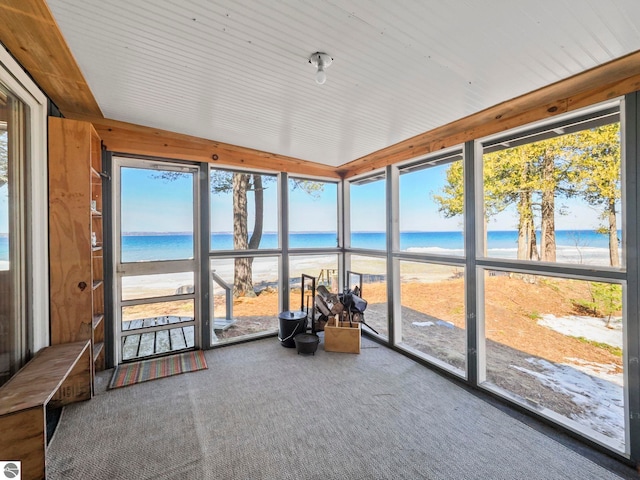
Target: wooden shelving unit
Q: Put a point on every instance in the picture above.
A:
(76, 235)
(97, 258)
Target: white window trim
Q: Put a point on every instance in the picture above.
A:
(20, 84)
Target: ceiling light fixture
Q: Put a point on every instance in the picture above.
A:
(320, 61)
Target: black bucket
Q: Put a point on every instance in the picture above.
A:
(306, 343)
(291, 324)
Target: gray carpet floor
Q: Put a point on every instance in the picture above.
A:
(263, 412)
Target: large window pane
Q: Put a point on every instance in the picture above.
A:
(13, 318)
(433, 314)
(156, 215)
(557, 199)
(245, 297)
(556, 345)
(373, 274)
(244, 210)
(431, 208)
(324, 268)
(313, 214)
(368, 214)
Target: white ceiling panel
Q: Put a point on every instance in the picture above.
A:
(238, 72)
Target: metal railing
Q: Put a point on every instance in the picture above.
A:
(228, 294)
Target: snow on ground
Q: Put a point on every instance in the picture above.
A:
(423, 324)
(600, 399)
(440, 323)
(591, 328)
(596, 389)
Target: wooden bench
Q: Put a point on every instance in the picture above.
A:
(56, 376)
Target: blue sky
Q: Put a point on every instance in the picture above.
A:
(155, 205)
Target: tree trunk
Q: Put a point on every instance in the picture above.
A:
(527, 249)
(243, 284)
(523, 233)
(258, 199)
(242, 277)
(614, 257)
(244, 266)
(533, 243)
(240, 233)
(548, 227)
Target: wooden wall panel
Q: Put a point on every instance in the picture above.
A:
(139, 140)
(69, 231)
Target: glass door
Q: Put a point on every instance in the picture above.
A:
(156, 258)
(13, 327)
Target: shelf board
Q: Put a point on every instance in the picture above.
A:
(96, 320)
(96, 284)
(97, 248)
(97, 348)
(96, 213)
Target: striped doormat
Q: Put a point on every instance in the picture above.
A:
(131, 373)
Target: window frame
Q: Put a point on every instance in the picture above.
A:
(339, 235)
(597, 273)
(598, 115)
(35, 215)
(259, 250)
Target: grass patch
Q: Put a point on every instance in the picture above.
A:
(551, 284)
(617, 351)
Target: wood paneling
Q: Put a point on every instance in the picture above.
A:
(608, 81)
(31, 34)
(139, 140)
(70, 230)
(76, 264)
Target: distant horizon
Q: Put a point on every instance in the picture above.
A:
(131, 233)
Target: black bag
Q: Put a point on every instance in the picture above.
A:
(352, 302)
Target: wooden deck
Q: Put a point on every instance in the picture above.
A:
(140, 344)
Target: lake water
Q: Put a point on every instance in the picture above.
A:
(573, 246)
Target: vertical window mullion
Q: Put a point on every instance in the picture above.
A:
(630, 119)
(473, 213)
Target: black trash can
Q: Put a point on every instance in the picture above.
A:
(291, 324)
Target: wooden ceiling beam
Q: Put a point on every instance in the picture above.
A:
(605, 82)
(31, 34)
(134, 139)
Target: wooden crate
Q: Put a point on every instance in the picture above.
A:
(341, 337)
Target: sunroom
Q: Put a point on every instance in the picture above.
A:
(172, 173)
